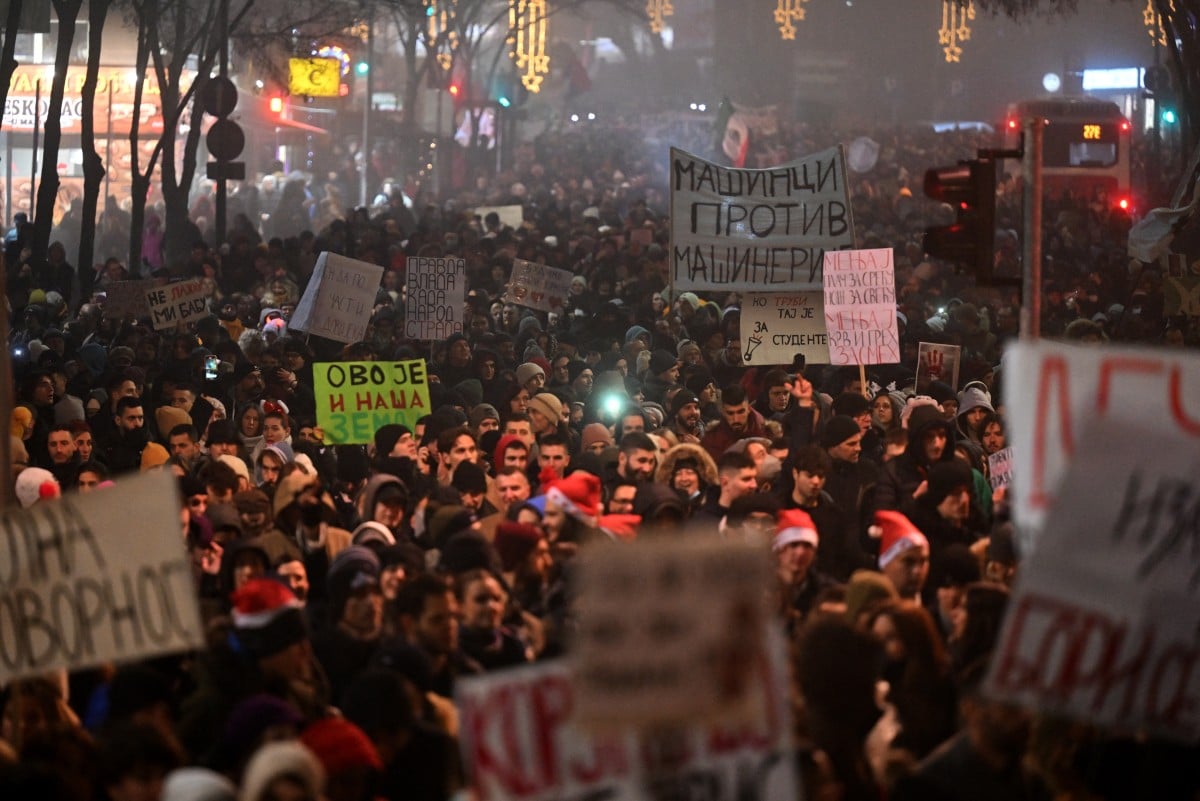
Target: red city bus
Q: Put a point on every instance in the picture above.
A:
(1085, 146)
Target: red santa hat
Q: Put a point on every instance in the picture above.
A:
(578, 494)
(794, 525)
(267, 617)
(896, 535)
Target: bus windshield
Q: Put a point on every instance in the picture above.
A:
(1078, 144)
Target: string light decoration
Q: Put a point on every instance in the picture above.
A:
(527, 36)
(787, 14)
(441, 32)
(1154, 22)
(956, 29)
(657, 10)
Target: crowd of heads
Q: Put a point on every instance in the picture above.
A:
(367, 579)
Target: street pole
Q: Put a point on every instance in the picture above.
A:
(108, 152)
(1031, 174)
(363, 199)
(37, 128)
(222, 188)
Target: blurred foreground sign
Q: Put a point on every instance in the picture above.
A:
(668, 633)
(520, 740)
(1102, 623)
(82, 583)
(1055, 389)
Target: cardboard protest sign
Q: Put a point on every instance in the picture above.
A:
(521, 742)
(1000, 467)
(122, 298)
(860, 307)
(512, 216)
(1102, 623)
(355, 399)
(83, 582)
(775, 327)
(1054, 389)
(437, 292)
(937, 362)
(176, 304)
(757, 230)
(339, 299)
(667, 633)
(538, 286)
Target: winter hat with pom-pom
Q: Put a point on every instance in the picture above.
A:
(35, 484)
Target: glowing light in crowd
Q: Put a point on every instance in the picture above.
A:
(527, 36)
(656, 10)
(787, 14)
(956, 29)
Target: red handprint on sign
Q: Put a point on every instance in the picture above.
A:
(934, 364)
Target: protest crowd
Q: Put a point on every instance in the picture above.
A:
(346, 589)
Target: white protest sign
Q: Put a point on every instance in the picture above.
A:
(538, 286)
(860, 307)
(775, 327)
(339, 299)
(174, 304)
(520, 742)
(1102, 623)
(437, 292)
(1000, 467)
(1053, 389)
(757, 230)
(512, 216)
(667, 633)
(83, 582)
(937, 362)
(122, 298)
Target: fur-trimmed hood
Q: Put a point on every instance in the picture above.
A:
(707, 468)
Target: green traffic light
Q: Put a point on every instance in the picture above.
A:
(1168, 116)
(362, 67)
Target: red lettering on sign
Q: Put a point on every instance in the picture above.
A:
(1052, 369)
(1189, 424)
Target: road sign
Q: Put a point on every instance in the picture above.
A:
(219, 96)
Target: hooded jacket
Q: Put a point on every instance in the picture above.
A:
(902, 475)
(706, 467)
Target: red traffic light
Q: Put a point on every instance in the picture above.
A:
(276, 105)
(969, 187)
(454, 90)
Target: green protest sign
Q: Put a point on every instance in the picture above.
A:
(355, 399)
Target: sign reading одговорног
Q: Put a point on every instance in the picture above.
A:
(81, 583)
(1101, 626)
(757, 230)
(354, 399)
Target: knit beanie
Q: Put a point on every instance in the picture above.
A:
(352, 569)
(251, 502)
(481, 412)
(197, 784)
(839, 429)
(527, 371)
(284, 758)
(154, 455)
(386, 438)
(472, 391)
(167, 417)
(372, 533)
(865, 588)
(548, 405)
(593, 433)
(468, 550)
(35, 484)
(515, 541)
(851, 404)
(236, 464)
(22, 418)
(267, 618)
(661, 361)
(340, 746)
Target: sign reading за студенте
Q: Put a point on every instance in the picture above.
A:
(81, 583)
(757, 230)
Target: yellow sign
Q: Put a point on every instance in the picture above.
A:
(314, 77)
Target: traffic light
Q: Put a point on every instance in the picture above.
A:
(276, 104)
(1160, 86)
(970, 188)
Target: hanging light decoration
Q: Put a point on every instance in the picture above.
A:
(441, 33)
(657, 10)
(787, 14)
(1154, 22)
(527, 36)
(956, 29)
